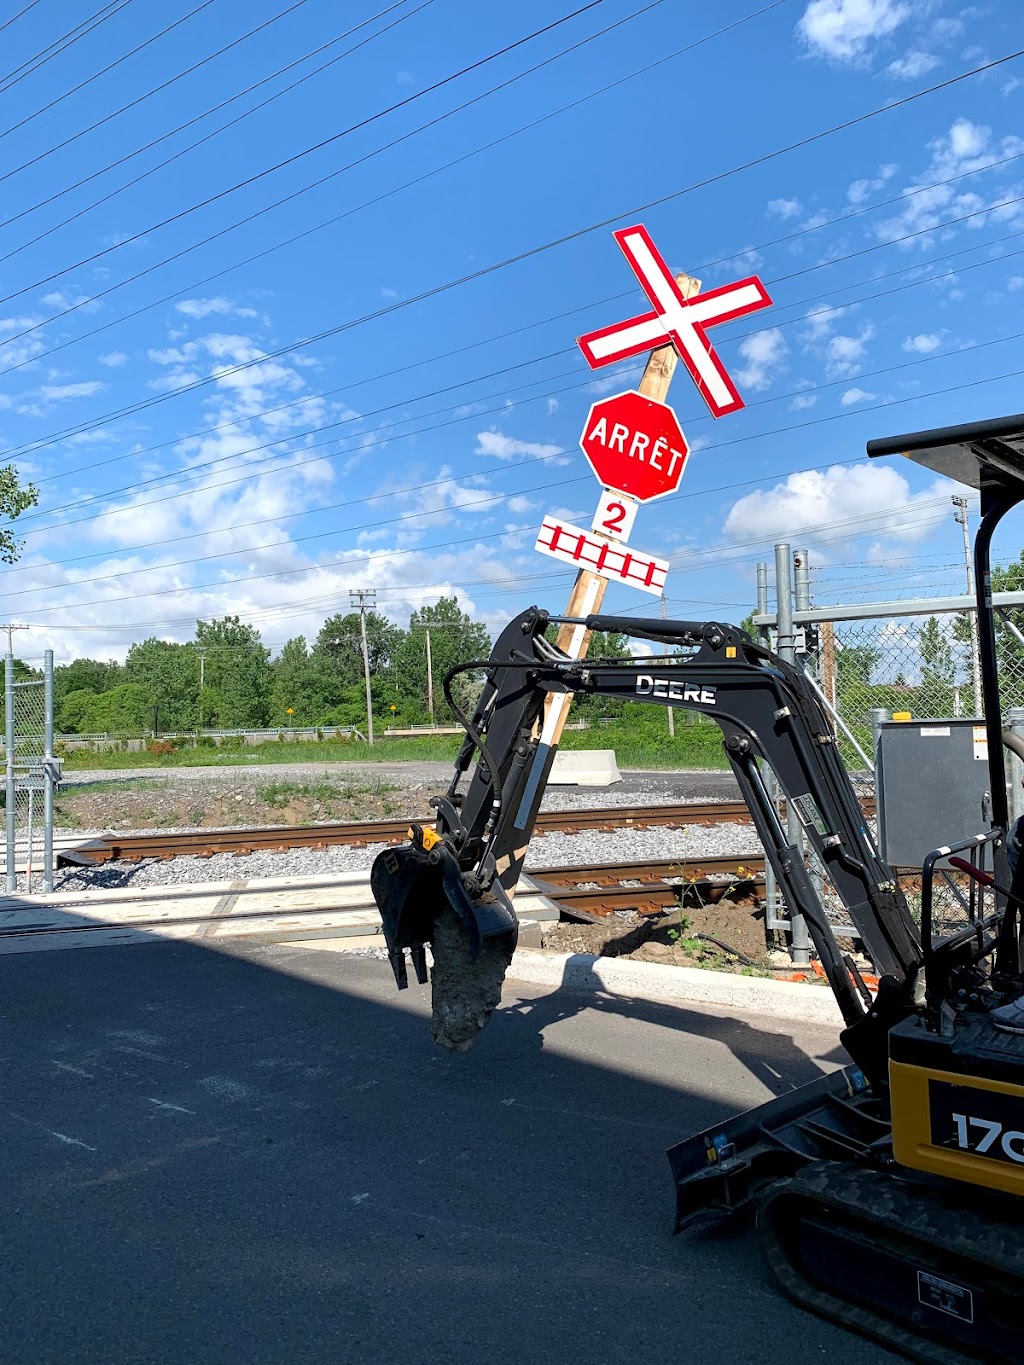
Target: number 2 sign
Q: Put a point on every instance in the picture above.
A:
(615, 515)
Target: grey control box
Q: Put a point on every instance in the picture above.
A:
(931, 785)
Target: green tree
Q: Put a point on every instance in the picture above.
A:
(170, 673)
(1005, 578)
(236, 674)
(455, 638)
(855, 664)
(85, 675)
(290, 686)
(936, 655)
(13, 501)
(339, 644)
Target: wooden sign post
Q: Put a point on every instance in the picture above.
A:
(589, 589)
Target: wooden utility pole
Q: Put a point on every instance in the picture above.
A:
(828, 663)
(589, 589)
(430, 680)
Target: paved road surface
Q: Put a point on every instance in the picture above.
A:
(262, 1159)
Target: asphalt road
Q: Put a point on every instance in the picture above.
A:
(263, 1158)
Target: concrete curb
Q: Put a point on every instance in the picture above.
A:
(582, 973)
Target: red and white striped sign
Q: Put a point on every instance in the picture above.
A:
(681, 321)
(561, 540)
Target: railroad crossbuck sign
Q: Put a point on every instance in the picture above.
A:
(683, 322)
(636, 445)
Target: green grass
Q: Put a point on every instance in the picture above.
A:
(279, 794)
(648, 746)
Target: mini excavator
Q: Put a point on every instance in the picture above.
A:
(888, 1195)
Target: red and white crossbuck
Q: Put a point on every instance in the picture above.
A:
(678, 320)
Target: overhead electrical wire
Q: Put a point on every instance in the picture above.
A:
(96, 75)
(531, 252)
(157, 89)
(394, 553)
(207, 137)
(306, 151)
(196, 284)
(569, 350)
(8, 22)
(61, 44)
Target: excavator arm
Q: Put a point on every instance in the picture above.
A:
(451, 886)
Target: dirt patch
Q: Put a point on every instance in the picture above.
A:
(170, 803)
(675, 939)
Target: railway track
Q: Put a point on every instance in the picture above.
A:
(283, 909)
(206, 843)
(595, 892)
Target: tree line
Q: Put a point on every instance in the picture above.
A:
(225, 679)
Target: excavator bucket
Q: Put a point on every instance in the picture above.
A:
(422, 898)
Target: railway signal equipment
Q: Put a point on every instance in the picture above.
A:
(562, 540)
(676, 319)
(889, 1194)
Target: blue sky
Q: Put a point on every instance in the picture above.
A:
(236, 404)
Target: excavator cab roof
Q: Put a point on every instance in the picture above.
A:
(989, 453)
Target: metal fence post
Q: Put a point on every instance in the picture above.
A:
(49, 772)
(1015, 722)
(12, 872)
(787, 651)
(764, 635)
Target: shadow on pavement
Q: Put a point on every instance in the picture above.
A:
(259, 1156)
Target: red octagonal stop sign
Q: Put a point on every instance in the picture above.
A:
(635, 445)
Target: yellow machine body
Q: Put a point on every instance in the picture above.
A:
(958, 1102)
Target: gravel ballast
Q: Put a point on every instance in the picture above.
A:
(689, 845)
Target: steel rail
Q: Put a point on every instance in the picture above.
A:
(274, 838)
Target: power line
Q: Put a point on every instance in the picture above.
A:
(156, 89)
(294, 194)
(526, 254)
(148, 146)
(380, 198)
(8, 22)
(393, 438)
(61, 44)
(306, 151)
(318, 568)
(236, 457)
(95, 76)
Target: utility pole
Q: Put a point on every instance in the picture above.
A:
(960, 515)
(10, 628)
(363, 598)
(202, 683)
(430, 681)
(669, 709)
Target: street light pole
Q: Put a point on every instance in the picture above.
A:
(363, 598)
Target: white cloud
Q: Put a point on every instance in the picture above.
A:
(1015, 283)
(856, 395)
(520, 504)
(819, 322)
(57, 393)
(924, 343)
(844, 354)
(803, 401)
(765, 353)
(844, 503)
(204, 308)
(966, 149)
(843, 30)
(114, 359)
(503, 447)
(784, 208)
(860, 190)
(912, 65)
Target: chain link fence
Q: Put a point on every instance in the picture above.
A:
(31, 775)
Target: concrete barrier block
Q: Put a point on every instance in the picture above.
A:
(584, 768)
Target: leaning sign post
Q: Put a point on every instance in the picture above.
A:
(633, 440)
